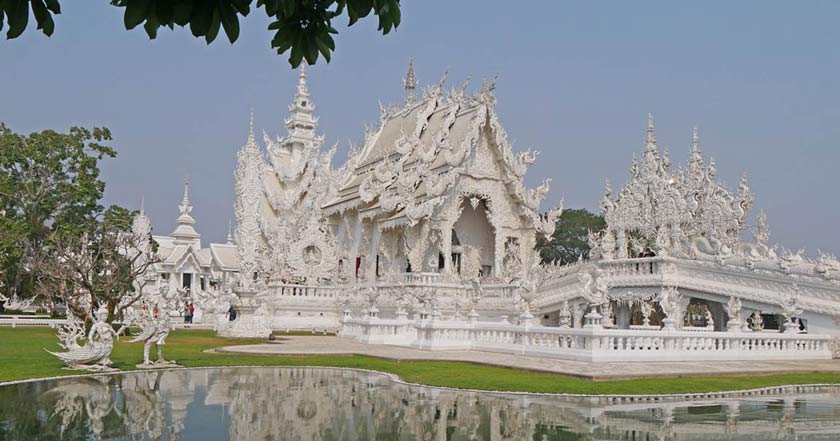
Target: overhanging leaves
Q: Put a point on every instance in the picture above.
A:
(301, 27)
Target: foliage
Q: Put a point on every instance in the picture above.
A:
(26, 359)
(103, 267)
(49, 187)
(302, 26)
(570, 239)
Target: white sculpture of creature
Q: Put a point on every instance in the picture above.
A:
(95, 354)
(756, 322)
(156, 325)
(16, 304)
(790, 309)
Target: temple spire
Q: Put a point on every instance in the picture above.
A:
(184, 231)
(229, 239)
(251, 138)
(650, 138)
(185, 202)
(410, 83)
(695, 140)
(142, 205)
(301, 121)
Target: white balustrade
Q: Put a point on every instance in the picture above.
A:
(29, 320)
(288, 290)
(589, 344)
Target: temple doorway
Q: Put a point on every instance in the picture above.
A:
(474, 231)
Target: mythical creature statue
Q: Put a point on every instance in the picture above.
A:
(156, 325)
(647, 309)
(16, 304)
(790, 309)
(673, 304)
(756, 322)
(565, 315)
(94, 355)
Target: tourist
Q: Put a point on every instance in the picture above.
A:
(186, 313)
(192, 312)
(231, 314)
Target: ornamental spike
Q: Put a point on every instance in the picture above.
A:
(251, 138)
(410, 82)
(650, 138)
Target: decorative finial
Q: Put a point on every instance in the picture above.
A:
(142, 204)
(302, 80)
(410, 82)
(229, 235)
(650, 137)
(251, 138)
(185, 202)
(695, 139)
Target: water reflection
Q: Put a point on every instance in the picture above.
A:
(325, 404)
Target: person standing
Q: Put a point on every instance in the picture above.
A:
(192, 312)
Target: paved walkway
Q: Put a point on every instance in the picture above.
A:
(306, 345)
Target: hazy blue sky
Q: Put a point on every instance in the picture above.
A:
(576, 81)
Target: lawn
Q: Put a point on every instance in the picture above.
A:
(22, 356)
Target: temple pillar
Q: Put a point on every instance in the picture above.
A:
(446, 247)
(374, 251)
(357, 238)
(498, 252)
(622, 316)
(621, 244)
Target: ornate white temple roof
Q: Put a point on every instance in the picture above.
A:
(419, 150)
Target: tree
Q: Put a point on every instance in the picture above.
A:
(302, 26)
(570, 238)
(49, 189)
(104, 267)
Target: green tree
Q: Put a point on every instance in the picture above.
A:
(49, 187)
(570, 238)
(303, 27)
(104, 267)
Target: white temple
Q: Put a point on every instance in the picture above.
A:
(425, 237)
(199, 273)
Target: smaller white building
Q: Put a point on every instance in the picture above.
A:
(202, 273)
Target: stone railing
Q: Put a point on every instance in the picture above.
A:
(308, 291)
(594, 343)
(29, 320)
(422, 278)
(379, 331)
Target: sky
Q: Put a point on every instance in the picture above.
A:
(576, 81)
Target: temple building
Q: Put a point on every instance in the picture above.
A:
(435, 193)
(183, 263)
(426, 236)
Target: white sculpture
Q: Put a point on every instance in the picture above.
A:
(756, 322)
(790, 309)
(155, 325)
(673, 305)
(94, 354)
(733, 311)
(565, 315)
(16, 304)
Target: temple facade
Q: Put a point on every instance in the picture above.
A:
(436, 193)
(426, 235)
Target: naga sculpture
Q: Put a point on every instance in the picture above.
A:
(95, 354)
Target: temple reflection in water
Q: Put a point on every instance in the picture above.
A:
(326, 404)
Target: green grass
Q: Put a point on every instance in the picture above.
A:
(22, 356)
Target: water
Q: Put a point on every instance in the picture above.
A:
(325, 404)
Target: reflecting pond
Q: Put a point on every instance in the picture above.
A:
(327, 404)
